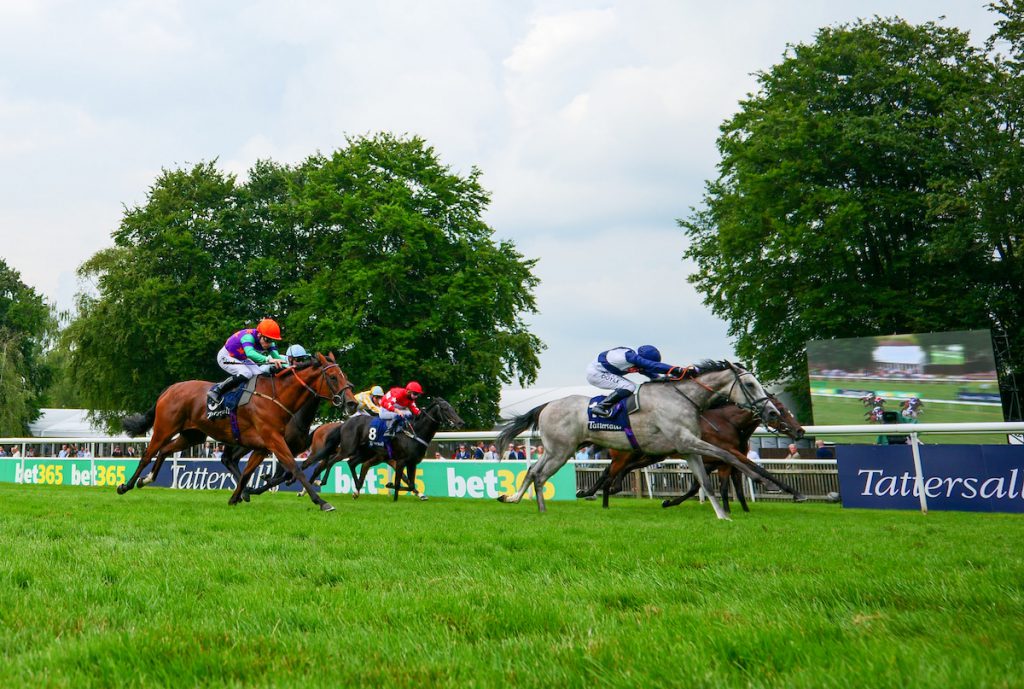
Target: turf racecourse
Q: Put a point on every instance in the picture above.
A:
(174, 588)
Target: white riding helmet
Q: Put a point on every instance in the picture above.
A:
(296, 351)
(376, 391)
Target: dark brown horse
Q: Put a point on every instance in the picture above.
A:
(727, 426)
(350, 441)
(179, 419)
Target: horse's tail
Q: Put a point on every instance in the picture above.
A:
(518, 425)
(331, 443)
(137, 424)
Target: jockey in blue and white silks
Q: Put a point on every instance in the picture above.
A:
(608, 372)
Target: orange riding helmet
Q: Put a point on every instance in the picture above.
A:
(269, 329)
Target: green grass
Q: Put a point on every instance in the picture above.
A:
(841, 411)
(936, 390)
(174, 588)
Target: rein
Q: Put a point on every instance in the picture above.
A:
(323, 376)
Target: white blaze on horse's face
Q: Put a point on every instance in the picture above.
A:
(755, 396)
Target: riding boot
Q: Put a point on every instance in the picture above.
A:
(215, 397)
(604, 408)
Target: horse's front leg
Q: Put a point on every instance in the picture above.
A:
(279, 447)
(255, 459)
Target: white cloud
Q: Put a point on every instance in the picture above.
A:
(594, 124)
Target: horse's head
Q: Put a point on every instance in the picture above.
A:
(786, 422)
(444, 413)
(747, 392)
(337, 383)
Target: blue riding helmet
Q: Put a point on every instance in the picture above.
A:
(296, 351)
(649, 352)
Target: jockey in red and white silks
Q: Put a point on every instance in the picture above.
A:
(400, 404)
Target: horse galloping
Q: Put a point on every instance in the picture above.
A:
(668, 423)
(351, 442)
(727, 426)
(179, 420)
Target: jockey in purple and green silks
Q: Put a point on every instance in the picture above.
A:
(247, 353)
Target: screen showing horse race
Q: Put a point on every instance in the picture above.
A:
(917, 378)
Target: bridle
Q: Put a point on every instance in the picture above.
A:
(754, 406)
(337, 396)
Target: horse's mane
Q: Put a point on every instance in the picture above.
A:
(710, 366)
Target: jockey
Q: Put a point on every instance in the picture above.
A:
(608, 372)
(369, 400)
(247, 353)
(398, 405)
(297, 354)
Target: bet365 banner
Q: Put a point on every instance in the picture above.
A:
(971, 478)
(456, 479)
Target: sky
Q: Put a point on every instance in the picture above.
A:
(593, 123)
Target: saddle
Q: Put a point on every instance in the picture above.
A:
(618, 420)
(240, 396)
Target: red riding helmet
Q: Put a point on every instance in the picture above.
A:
(269, 329)
(413, 386)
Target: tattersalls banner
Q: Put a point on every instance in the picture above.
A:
(973, 478)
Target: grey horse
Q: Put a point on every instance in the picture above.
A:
(667, 423)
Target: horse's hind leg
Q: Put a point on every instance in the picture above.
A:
(157, 441)
(737, 484)
(185, 440)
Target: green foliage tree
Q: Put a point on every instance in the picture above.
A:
(25, 325)
(847, 202)
(377, 251)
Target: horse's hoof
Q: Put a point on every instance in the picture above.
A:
(389, 486)
(122, 489)
(423, 498)
(326, 507)
(246, 496)
(502, 498)
(666, 503)
(581, 493)
(232, 501)
(302, 493)
(799, 498)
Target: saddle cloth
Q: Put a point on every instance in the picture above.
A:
(240, 396)
(619, 418)
(375, 434)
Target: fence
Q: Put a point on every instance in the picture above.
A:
(814, 478)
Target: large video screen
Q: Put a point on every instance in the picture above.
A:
(917, 378)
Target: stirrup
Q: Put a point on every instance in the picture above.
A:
(598, 410)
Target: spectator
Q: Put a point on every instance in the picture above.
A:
(64, 451)
(753, 455)
(822, 452)
(31, 452)
(510, 453)
(3, 452)
(117, 451)
(437, 455)
(131, 450)
(537, 453)
(479, 451)
(583, 454)
(521, 452)
(462, 453)
(794, 453)
(492, 452)
(15, 451)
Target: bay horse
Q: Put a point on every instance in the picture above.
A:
(667, 423)
(727, 426)
(315, 443)
(179, 420)
(350, 441)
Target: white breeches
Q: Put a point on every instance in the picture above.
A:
(237, 367)
(600, 377)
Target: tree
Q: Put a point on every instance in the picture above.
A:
(845, 202)
(25, 325)
(377, 251)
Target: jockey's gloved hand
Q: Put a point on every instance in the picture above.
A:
(676, 372)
